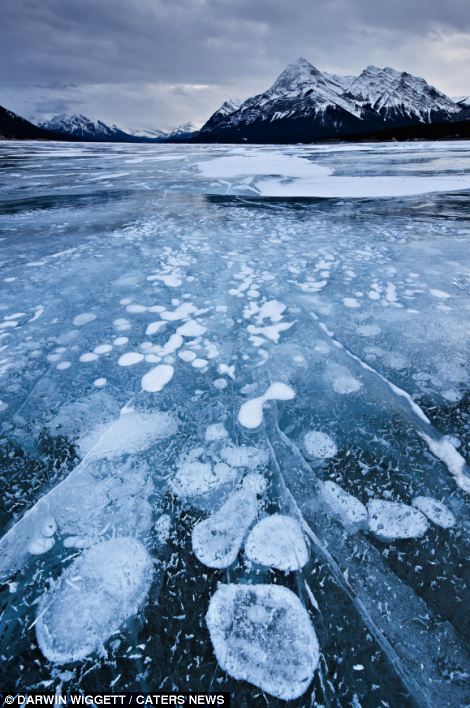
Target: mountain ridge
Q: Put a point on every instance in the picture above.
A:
(305, 104)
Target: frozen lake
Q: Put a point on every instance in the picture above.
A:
(234, 417)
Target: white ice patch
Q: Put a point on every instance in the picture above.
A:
(92, 599)
(171, 345)
(361, 187)
(263, 634)
(216, 431)
(262, 163)
(344, 504)
(84, 319)
(180, 313)
(368, 330)
(351, 302)
(318, 444)
(271, 332)
(217, 540)
(157, 378)
(255, 482)
(244, 456)
(130, 359)
(250, 414)
(191, 328)
(133, 432)
(88, 357)
(195, 478)
(199, 363)
(277, 541)
(40, 545)
(455, 463)
(394, 520)
(43, 539)
(272, 310)
(154, 327)
(441, 294)
(121, 324)
(436, 511)
(346, 384)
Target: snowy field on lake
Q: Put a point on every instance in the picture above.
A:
(234, 418)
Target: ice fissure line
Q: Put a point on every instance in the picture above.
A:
(440, 447)
(407, 679)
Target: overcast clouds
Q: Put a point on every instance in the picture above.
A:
(157, 63)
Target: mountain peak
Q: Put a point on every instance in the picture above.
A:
(298, 73)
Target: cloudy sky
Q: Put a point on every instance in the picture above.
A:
(158, 63)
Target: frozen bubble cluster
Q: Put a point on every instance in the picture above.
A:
(277, 541)
(234, 389)
(217, 540)
(262, 634)
(92, 599)
(390, 520)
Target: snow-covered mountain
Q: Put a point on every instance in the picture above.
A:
(149, 134)
(83, 128)
(226, 109)
(463, 101)
(394, 94)
(14, 127)
(182, 131)
(305, 103)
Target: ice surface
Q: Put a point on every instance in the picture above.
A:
(217, 540)
(391, 520)
(281, 321)
(93, 598)
(277, 541)
(263, 634)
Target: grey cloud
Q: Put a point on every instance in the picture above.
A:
(139, 58)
